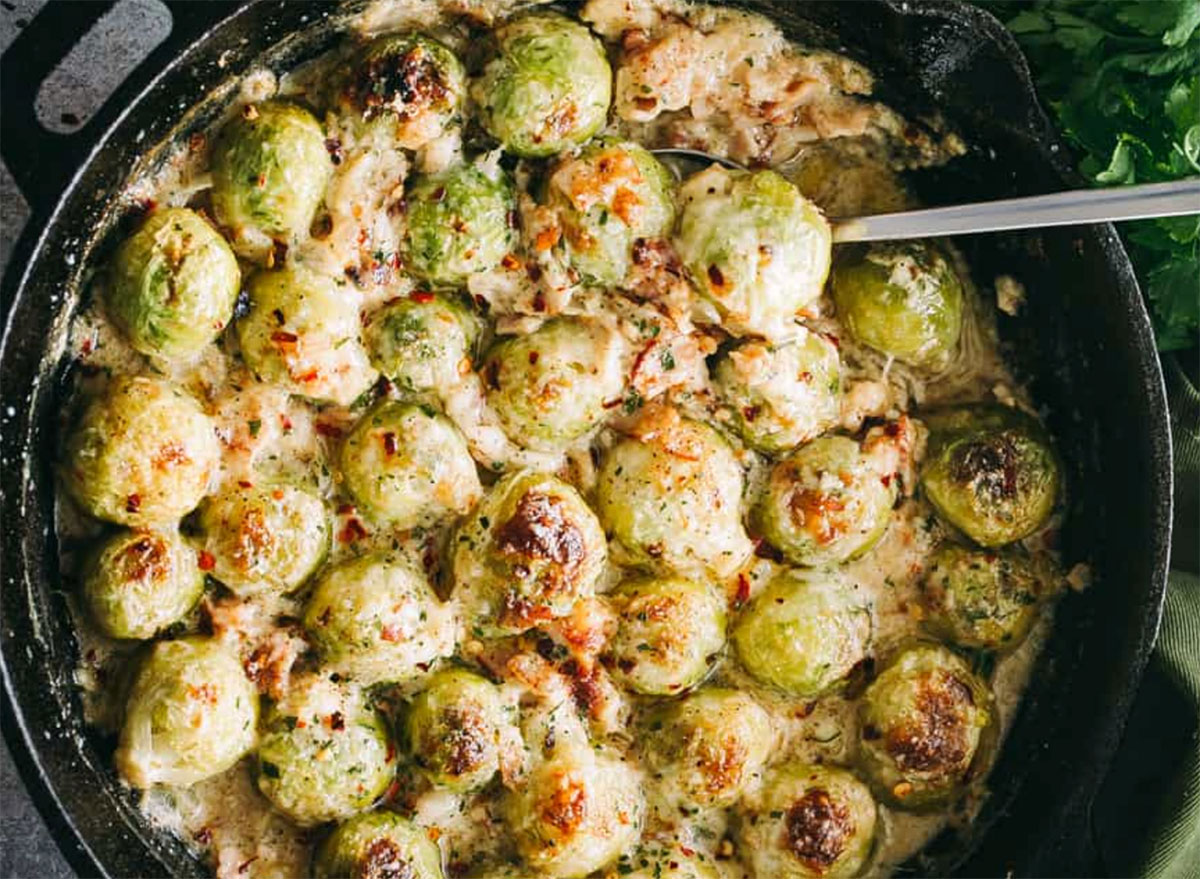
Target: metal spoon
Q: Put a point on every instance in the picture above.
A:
(1032, 212)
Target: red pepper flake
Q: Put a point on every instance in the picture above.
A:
(283, 337)
(207, 560)
(389, 443)
(345, 509)
(324, 428)
(391, 752)
(886, 479)
(423, 297)
(311, 376)
(285, 422)
(133, 503)
(892, 428)
(743, 591)
(86, 348)
(245, 865)
(245, 483)
(277, 494)
(715, 277)
(353, 531)
(533, 357)
(539, 302)
(203, 836)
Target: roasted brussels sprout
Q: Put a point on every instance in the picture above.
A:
(190, 714)
(825, 503)
(669, 632)
(453, 729)
(459, 222)
(376, 619)
(804, 633)
(378, 845)
(991, 472)
(781, 395)
(140, 582)
(707, 748)
(423, 342)
(302, 333)
(606, 198)
(903, 299)
(406, 466)
(269, 169)
(324, 753)
(809, 822)
(657, 861)
(548, 87)
(922, 721)
(754, 246)
(528, 552)
(550, 387)
(142, 453)
(173, 285)
(672, 499)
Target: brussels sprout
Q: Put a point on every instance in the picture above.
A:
(707, 748)
(656, 861)
(453, 730)
(173, 286)
(576, 813)
(922, 721)
(423, 342)
(264, 538)
(673, 499)
(378, 845)
(459, 223)
(607, 197)
(141, 454)
(409, 87)
(376, 619)
(781, 395)
(809, 822)
(903, 299)
(140, 582)
(825, 503)
(548, 87)
(269, 169)
(991, 472)
(406, 466)
(302, 333)
(754, 246)
(550, 387)
(191, 713)
(527, 553)
(669, 632)
(804, 633)
(324, 753)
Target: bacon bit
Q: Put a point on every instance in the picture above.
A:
(751, 412)
(510, 262)
(337, 722)
(352, 531)
(743, 591)
(207, 560)
(133, 503)
(422, 297)
(389, 443)
(326, 429)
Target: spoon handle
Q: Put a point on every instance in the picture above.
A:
(1057, 209)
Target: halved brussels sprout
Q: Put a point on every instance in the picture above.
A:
(551, 386)
(825, 503)
(669, 633)
(140, 582)
(190, 714)
(991, 472)
(407, 466)
(142, 453)
(453, 728)
(809, 822)
(608, 196)
(378, 845)
(754, 246)
(459, 222)
(922, 721)
(423, 342)
(302, 333)
(173, 286)
(709, 747)
(658, 861)
(264, 538)
(527, 553)
(781, 395)
(804, 633)
(269, 167)
(548, 87)
(324, 753)
(903, 299)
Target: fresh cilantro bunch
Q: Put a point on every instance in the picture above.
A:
(1123, 77)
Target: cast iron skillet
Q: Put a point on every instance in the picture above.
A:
(1084, 341)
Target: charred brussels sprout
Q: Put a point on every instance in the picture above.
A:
(804, 633)
(324, 753)
(548, 87)
(922, 722)
(173, 285)
(658, 861)
(407, 466)
(809, 822)
(191, 713)
(902, 299)
(378, 845)
(140, 582)
(754, 246)
(141, 454)
(550, 387)
(991, 472)
(453, 729)
(527, 553)
(423, 342)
